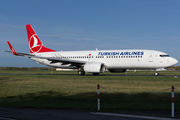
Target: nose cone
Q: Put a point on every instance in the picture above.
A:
(173, 61)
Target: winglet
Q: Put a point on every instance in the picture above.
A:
(12, 49)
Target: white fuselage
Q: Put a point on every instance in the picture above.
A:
(112, 59)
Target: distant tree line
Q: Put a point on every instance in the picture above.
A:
(177, 68)
(26, 68)
(174, 67)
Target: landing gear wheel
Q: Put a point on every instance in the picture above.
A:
(81, 72)
(95, 73)
(156, 73)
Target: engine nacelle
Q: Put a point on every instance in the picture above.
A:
(94, 67)
(117, 70)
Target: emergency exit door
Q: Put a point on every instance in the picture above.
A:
(151, 57)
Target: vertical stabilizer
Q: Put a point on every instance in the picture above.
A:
(35, 44)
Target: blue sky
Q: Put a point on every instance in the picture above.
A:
(88, 24)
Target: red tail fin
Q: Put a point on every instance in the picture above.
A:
(12, 49)
(35, 44)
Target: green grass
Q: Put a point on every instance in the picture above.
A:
(40, 72)
(80, 92)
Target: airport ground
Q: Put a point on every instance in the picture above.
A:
(9, 113)
(133, 91)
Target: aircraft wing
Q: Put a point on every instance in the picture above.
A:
(56, 60)
(52, 59)
(19, 54)
(16, 53)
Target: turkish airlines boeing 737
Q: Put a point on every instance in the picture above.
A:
(94, 61)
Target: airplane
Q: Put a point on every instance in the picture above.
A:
(94, 61)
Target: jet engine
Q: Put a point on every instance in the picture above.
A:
(94, 67)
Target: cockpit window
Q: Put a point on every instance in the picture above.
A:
(164, 55)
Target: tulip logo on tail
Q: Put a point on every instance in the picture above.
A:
(35, 44)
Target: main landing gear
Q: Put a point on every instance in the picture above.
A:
(156, 73)
(81, 72)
